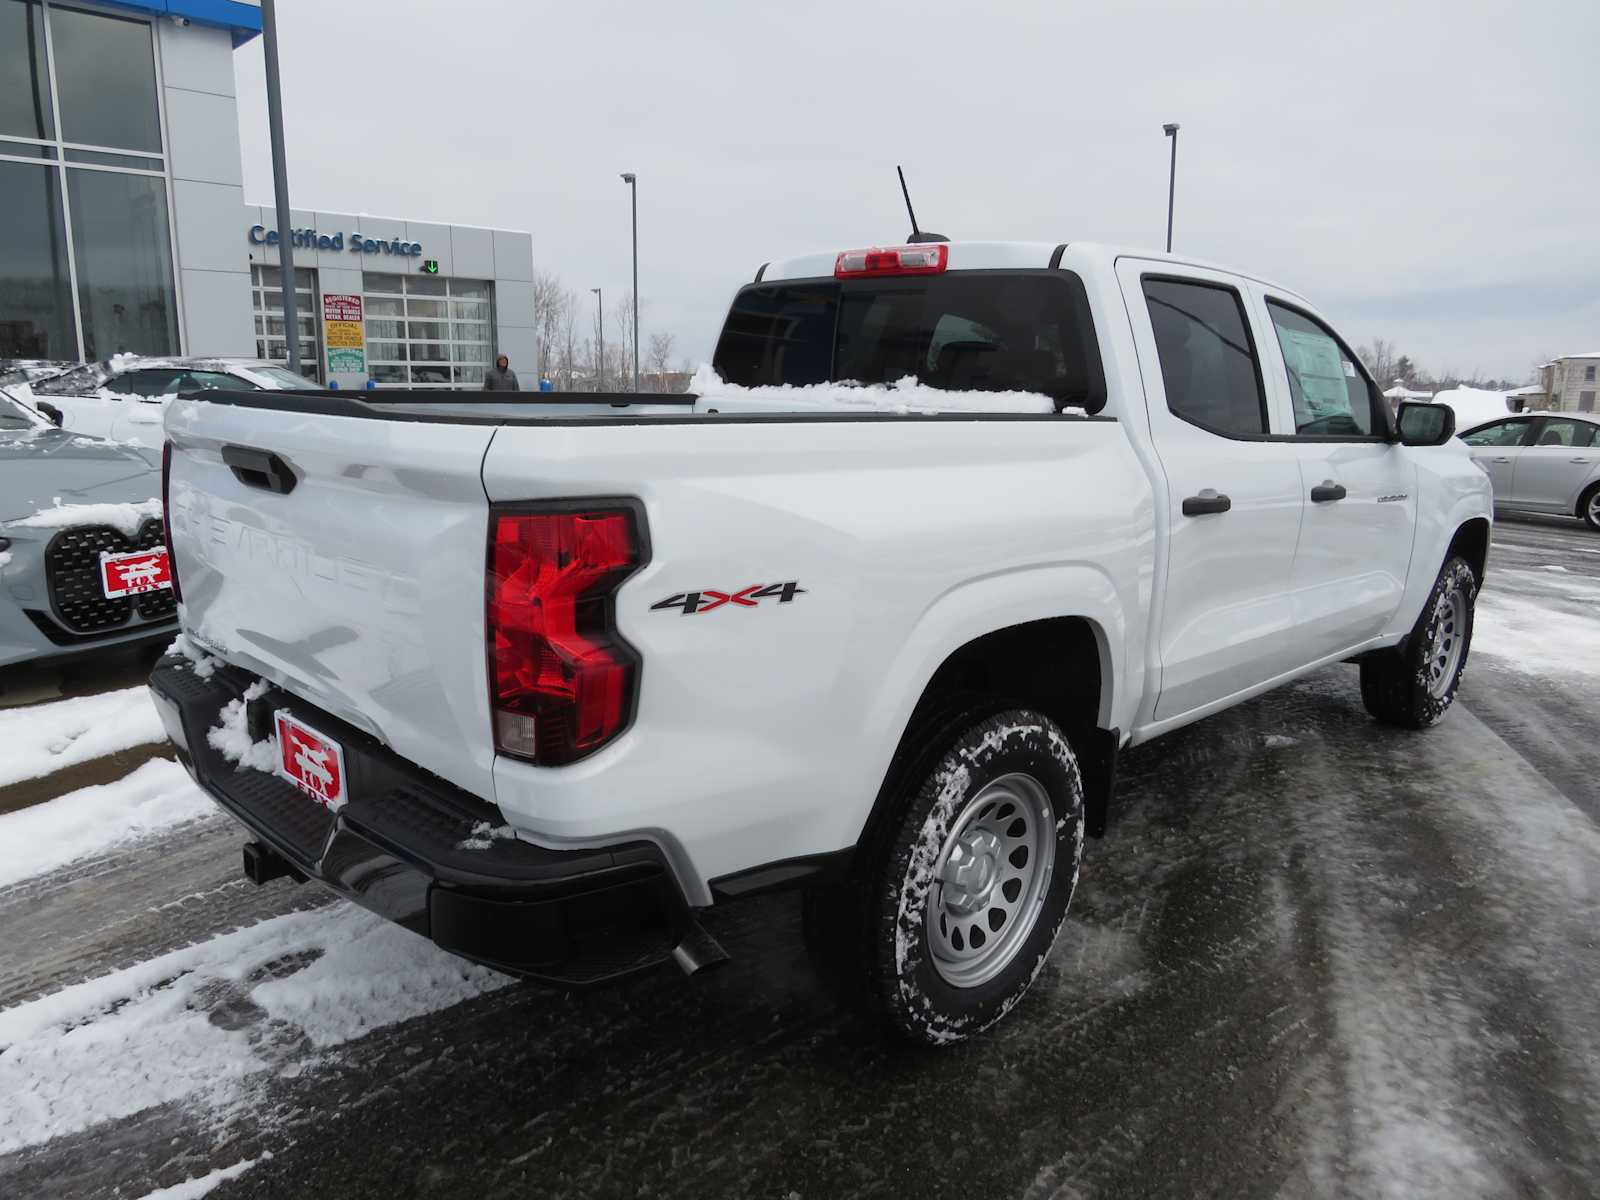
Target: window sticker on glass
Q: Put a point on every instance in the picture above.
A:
(1315, 363)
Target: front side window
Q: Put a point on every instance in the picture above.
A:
(15, 416)
(986, 331)
(1331, 396)
(162, 382)
(215, 381)
(1501, 433)
(1208, 362)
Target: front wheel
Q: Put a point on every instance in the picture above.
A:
(1414, 687)
(1589, 507)
(963, 899)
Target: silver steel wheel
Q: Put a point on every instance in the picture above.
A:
(1594, 509)
(1444, 650)
(990, 880)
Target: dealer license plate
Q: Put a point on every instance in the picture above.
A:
(312, 761)
(133, 572)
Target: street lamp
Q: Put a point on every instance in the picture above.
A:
(629, 178)
(600, 352)
(1171, 131)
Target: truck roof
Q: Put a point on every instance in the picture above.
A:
(990, 256)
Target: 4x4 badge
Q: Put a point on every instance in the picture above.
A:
(708, 599)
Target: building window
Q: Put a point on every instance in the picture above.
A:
(1588, 374)
(426, 331)
(124, 264)
(88, 246)
(35, 294)
(266, 298)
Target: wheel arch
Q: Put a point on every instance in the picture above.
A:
(1471, 542)
(1062, 667)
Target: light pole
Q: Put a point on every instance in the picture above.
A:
(1171, 130)
(632, 180)
(600, 351)
(280, 183)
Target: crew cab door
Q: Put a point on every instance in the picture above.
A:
(1234, 497)
(1360, 519)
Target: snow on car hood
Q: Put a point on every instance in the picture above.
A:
(46, 468)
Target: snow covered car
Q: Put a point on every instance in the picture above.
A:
(1542, 462)
(82, 564)
(123, 399)
(871, 614)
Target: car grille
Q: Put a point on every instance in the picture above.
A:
(72, 567)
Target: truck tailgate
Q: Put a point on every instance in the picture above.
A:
(361, 587)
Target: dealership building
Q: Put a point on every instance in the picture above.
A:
(126, 229)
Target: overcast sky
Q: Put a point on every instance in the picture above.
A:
(1424, 172)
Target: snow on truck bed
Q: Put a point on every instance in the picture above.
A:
(905, 396)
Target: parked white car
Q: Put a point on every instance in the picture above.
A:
(1542, 462)
(542, 681)
(124, 399)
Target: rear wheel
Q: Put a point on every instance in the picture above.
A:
(1589, 507)
(1414, 687)
(962, 897)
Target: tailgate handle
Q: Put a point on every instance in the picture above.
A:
(260, 469)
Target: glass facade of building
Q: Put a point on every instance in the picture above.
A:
(87, 235)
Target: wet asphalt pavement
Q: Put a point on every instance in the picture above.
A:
(1313, 957)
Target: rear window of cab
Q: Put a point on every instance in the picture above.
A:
(988, 331)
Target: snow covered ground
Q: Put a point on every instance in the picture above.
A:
(95, 819)
(308, 983)
(44, 738)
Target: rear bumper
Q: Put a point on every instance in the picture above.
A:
(398, 848)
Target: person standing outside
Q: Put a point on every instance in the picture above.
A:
(500, 377)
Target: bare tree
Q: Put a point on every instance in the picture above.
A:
(622, 315)
(659, 359)
(551, 300)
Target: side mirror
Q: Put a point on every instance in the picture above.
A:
(1421, 424)
(51, 411)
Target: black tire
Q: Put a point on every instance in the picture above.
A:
(937, 793)
(1406, 687)
(1589, 507)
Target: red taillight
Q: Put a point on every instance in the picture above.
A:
(166, 517)
(561, 679)
(892, 260)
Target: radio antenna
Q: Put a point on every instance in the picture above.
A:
(917, 235)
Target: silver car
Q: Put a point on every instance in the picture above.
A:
(82, 561)
(1542, 462)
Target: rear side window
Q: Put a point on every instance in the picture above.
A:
(1331, 396)
(1559, 432)
(988, 331)
(1208, 361)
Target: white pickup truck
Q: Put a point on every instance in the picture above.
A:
(544, 680)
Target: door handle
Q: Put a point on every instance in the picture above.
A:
(1208, 501)
(1499, 460)
(1579, 460)
(1326, 491)
(260, 469)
